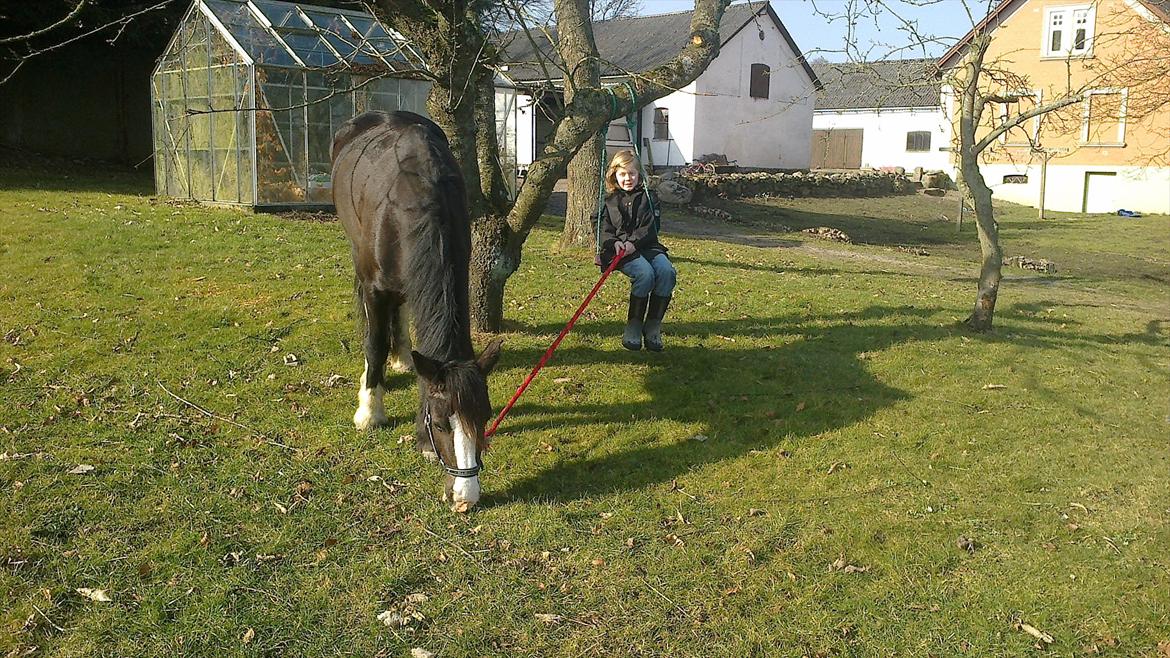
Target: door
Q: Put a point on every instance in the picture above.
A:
(837, 149)
(1100, 192)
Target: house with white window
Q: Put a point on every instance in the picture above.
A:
(880, 114)
(753, 104)
(1109, 149)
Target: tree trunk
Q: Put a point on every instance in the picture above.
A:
(990, 270)
(973, 104)
(494, 257)
(579, 51)
(584, 179)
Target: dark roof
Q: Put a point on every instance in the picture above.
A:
(1160, 9)
(887, 84)
(635, 44)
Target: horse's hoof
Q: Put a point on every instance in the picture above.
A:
(364, 419)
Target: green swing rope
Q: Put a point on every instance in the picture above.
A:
(631, 127)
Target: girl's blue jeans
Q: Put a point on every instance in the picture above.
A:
(651, 276)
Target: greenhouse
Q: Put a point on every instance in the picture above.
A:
(248, 94)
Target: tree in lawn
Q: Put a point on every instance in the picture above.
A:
(1132, 52)
(994, 98)
(453, 35)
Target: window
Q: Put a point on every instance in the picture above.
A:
(661, 123)
(1104, 117)
(761, 80)
(1027, 133)
(1068, 30)
(918, 140)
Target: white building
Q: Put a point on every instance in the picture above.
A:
(880, 114)
(753, 104)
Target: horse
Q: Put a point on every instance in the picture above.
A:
(401, 198)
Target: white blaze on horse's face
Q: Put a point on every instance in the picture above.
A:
(370, 412)
(464, 491)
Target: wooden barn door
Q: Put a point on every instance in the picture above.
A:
(837, 149)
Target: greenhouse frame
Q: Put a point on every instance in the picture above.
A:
(248, 94)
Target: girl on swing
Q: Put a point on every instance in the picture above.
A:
(629, 226)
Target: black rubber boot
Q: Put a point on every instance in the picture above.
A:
(632, 337)
(652, 330)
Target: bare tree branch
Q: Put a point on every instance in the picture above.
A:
(36, 33)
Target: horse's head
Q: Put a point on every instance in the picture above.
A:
(453, 412)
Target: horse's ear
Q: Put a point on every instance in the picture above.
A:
(426, 367)
(489, 356)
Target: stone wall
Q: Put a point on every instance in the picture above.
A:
(799, 184)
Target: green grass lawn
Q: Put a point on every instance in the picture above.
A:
(790, 478)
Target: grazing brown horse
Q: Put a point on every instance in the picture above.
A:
(401, 199)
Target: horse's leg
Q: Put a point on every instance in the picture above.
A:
(400, 339)
(370, 412)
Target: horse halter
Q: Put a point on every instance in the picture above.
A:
(453, 472)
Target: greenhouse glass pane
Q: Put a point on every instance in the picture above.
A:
(244, 139)
(331, 103)
(280, 136)
(339, 35)
(414, 96)
(280, 14)
(378, 39)
(309, 47)
(156, 137)
(224, 138)
(253, 37)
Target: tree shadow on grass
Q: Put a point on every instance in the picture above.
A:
(814, 380)
(743, 399)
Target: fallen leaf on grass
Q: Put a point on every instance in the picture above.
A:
(1033, 631)
(837, 466)
(249, 635)
(80, 469)
(549, 618)
(841, 564)
(675, 540)
(966, 544)
(756, 512)
(419, 652)
(417, 598)
(699, 437)
(993, 387)
(1164, 649)
(98, 595)
(800, 406)
(392, 619)
(562, 380)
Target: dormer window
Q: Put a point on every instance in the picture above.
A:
(1068, 30)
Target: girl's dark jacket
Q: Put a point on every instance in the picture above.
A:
(629, 216)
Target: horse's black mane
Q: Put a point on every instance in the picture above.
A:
(442, 247)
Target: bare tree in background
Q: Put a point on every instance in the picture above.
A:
(992, 99)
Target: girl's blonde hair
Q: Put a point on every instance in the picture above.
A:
(626, 159)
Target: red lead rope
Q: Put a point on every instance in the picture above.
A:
(552, 348)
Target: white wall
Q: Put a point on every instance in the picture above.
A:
(883, 144)
(773, 132)
(525, 130)
(680, 148)
(1145, 189)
